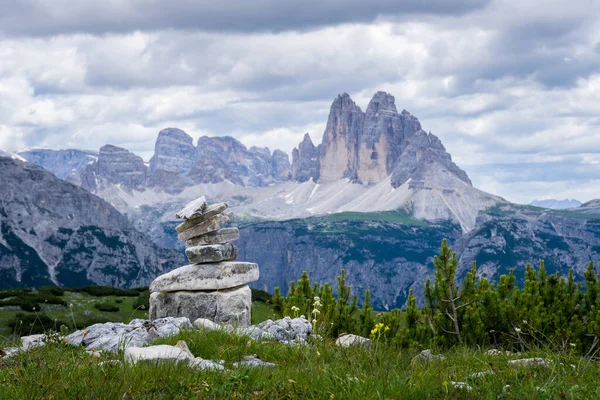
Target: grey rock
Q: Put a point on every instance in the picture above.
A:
(193, 209)
(215, 237)
(209, 212)
(461, 386)
(208, 325)
(210, 225)
(159, 353)
(350, 340)
(10, 352)
(305, 161)
(427, 355)
(286, 330)
(112, 336)
(206, 277)
(211, 253)
(530, 362)
(230, 306)
(170, 326)
(482, 374)
(33, 341)
(253, 362)
(205, 365)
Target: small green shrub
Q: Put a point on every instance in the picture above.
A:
(261, 295)
(53, 290)
(106, 307)
(142, 302)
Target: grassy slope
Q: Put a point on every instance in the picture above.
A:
(316, 371)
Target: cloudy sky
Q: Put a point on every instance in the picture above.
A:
(511, 87)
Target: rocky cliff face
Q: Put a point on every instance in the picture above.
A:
(370, 147)
(54, 232)
(224, 158)
(65, 164)
(115, 166)
(173, 152)
(305, 161)
(390, 254)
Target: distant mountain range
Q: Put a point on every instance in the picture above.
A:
(556, 204)
(376, 197)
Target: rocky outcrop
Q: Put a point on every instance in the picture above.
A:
(369, 147)
(173, 158)
(53, 232)
(305, 161)
(282, 170)
(425, 157)
(66, 164)
(338, 151)
(224, 158)
(115, 166)
(173, 152)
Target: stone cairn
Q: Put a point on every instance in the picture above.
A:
(213, 285)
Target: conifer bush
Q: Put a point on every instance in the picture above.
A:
(547, 310)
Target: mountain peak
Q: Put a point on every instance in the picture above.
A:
(344, 102)
(382, 102)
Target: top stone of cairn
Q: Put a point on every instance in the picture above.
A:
(193, 209)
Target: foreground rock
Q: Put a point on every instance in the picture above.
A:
(215, 237)
(353, 340)
(530, 362)
(286, 330)
(210, 225)
(196, 277)
(253, 362)
(427, 355)
(211, 253)
(230, 306)
(213, 287)
(112, 336)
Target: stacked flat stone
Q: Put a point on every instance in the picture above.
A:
(213, 286)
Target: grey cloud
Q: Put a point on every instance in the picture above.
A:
(50, 17)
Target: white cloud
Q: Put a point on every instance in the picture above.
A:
(506, 86)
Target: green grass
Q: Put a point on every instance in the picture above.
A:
(318, 370)
(83, 309)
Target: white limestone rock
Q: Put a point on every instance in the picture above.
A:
(253, 362)
(285, 330)
(530, 362)
(211, 253)
(193, 209)
(353, 340)
(208, 325)
(205, 365)
(224, 235)
(196, 277)
(209, 212)
(230, 306)
(159, 353)
(210, 225)
(32, 341)
(427, 355)
(112, 336)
